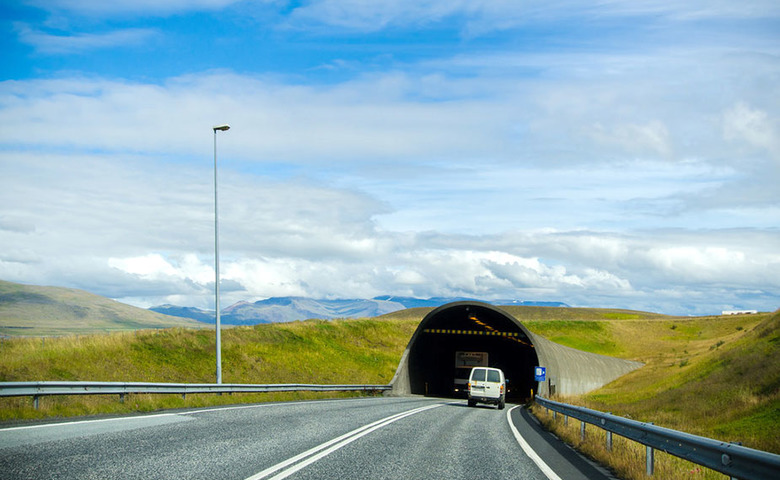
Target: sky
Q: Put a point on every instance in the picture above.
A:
(616, 154)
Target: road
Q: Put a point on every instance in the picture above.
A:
(394, 438)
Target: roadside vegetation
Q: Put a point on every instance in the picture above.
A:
(364, 351)
(717, 377)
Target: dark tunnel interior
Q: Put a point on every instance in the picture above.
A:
(469, 327)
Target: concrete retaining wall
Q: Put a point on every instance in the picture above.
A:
(573, 372)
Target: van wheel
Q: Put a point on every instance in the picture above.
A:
(472, 403)
(501, 404)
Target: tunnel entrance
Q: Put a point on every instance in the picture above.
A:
(457, 336)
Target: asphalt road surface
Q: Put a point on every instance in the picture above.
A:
(393, 438)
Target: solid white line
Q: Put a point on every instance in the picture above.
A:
(312, 455)
(81, 422)
(344, 443)
(157, 415)
(269, 404)
(530, 451)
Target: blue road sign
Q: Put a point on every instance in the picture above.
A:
(540, 374)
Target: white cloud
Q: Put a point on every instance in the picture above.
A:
(143, 233)
(622, 178)
(270, 119)
(665, 273)
(479, 16)
(149, 266)
(651, 139)
(48, 43)
(154, 266)
(754, 127)
(124, 7)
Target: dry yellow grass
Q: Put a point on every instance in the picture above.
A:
(627, 459)
(716, 377)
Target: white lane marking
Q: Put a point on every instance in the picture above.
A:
(82, 422)
(530, 451)
(312, 455)
(270, 404)
(242, 407)
(158, 415)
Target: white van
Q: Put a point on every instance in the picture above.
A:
(487, 385)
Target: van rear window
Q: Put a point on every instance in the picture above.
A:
(478, 374)
(493, 376)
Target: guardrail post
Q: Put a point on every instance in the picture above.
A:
(582, 431)
(121, 398)
(650, 461)
(608, 432)
(566, 420)
(35, 401)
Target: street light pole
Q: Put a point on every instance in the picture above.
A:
(221, 128)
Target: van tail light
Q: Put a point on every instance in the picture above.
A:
(502, 388)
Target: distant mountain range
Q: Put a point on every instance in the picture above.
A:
(289, 309)
(411, 302)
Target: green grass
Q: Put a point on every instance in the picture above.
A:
(591, 336)
(364, 351)
(717, 377)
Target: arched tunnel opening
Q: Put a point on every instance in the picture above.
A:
(456, 337)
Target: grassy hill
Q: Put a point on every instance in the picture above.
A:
(723, 380)
(717, 377)
(363, 351)
(33, 310)
(712, 376)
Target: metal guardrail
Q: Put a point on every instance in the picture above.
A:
(729, 458)
(40, 389)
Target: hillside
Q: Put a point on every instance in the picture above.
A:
(717, 377)
(550, 319)
(35, 310)
(315, 351)
(713, 376)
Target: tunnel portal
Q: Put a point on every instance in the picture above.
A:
(455, 337)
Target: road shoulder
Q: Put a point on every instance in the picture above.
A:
(566, 462)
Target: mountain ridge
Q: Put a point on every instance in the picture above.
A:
(289, 309)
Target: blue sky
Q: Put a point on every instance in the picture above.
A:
(605, 154)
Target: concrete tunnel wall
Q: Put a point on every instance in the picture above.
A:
(427, 364)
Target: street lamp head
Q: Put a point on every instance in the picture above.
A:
(221, 128)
